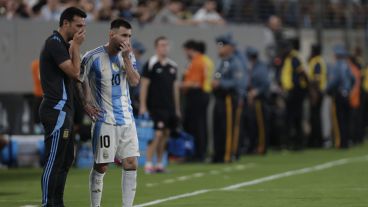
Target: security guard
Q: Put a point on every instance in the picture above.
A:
(339, 85)
(229, 89)
(318, 78)
(256, 110)
(294, 82)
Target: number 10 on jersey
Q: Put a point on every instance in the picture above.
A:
(105, 141)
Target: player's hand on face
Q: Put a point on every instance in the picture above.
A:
(92, 111)
(79, 37)
(125, 48)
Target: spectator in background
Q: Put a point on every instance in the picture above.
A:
(155, 6)
(105, 11)
(125, 9)
(37, 95)
(273, 35)
(318, 79)
(356, 119)
(196, 93)
(294, 82)
(160, 98)
(51, 11)
(208, 14)
(16, 8)
(229, 90)
(88, 6)
(209, 65)
(340, 83)
(256, 109)
(143, 14)
(171, 13)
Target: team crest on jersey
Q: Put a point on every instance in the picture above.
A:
(159, 70)
(115, 67)
(66, 134)
(172, 70)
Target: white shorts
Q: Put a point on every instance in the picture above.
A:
(111, 141)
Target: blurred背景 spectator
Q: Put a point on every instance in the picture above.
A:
(208, 14)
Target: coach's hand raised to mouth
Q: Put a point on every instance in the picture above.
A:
(79, 37)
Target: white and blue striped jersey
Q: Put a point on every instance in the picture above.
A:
(109, 86)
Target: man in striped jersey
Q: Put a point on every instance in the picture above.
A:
(107, 72)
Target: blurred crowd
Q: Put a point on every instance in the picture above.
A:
(334, 13)
(240, 104)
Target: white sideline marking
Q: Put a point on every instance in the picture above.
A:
(201, 174)
(261, 180)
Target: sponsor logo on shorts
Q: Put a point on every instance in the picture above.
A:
(105, 154)
(66, 134)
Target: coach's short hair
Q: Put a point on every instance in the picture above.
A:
(158, 39)
(117, 23)
(69, 13)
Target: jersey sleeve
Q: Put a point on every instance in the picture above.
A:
(58, 51)
(86, 65)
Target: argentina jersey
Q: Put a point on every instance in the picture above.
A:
(108, 84)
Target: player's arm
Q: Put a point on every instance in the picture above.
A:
(133, 76)
(83, 88)
(71, 66)
(85, 98)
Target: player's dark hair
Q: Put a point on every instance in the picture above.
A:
(158, 39)
(69, 13)
(117, 23)
(190, 44)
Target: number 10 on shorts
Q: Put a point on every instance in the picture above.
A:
(105, 141)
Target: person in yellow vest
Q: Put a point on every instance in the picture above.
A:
(294, 82)
(197, 95)
(317, 74)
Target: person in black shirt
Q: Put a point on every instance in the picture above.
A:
(59, 66)
(160, 97)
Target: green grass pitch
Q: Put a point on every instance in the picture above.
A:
(275, 180)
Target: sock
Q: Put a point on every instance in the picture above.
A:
(95, 187)
(148, 164)
(160, 165)
(129, 187)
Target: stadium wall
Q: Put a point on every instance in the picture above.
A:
(21, 42)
